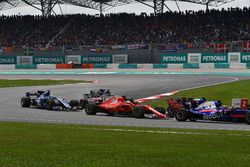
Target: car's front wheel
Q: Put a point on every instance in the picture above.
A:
(91, 109)
(248, 118)
(138, 112)
(181, 115)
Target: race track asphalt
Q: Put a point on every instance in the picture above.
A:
(135, 86)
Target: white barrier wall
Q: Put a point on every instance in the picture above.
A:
(175, 66)
(207, 66)
(113, 66)
(46, 66)
(147, 66)
(7, 67)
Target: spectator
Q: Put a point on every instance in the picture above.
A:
(118, 29)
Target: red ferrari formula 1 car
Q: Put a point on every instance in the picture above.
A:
(121, 105)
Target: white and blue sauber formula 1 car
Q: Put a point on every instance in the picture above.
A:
(45, 100)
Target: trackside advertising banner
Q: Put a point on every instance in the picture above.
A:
(214, 58)
(98, 58)
(245, 57)
(175, 58)
(48, 59)
(7, 59)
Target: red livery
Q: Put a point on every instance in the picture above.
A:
(121, 105)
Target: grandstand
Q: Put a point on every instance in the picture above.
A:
(46, 6)
(143, 36)
(194, 28)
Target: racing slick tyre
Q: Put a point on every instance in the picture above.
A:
(170, 112)
(25, 102)
(83, 103)
(138, 112)
(181, 115)
(91, 109)
(160, 110)
(248, 118)
(50, 104)
(74, 104)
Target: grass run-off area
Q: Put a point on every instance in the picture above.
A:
(45, 145)
(58, 145)
(224, 92)
(30, 82)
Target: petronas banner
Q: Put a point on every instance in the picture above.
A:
(245, 57)
(214, 57)
(7, 59)
(97, 58)
(175, 58)
(48, 59)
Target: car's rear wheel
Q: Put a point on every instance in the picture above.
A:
(160, 110)
(170, 112)
(181, 115)
(138, 112)
(248, 118)
(91, 109)
(83, 103)
(25, 102)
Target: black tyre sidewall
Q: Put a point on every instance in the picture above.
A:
(181, 115)
(138, 112)
(91, 109)
(25, 102)
(248, 118)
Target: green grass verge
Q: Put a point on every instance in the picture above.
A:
(29, 82)
(224, 92)
(42, 145)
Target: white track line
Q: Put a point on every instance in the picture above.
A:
(167, 132)
(174, 92)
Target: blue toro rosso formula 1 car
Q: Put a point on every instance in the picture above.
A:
(200, 109)
(45, 100)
